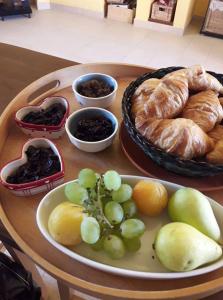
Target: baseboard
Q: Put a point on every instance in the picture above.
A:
(198, 18)
(159, 27)
(76, 10)
(43, 5)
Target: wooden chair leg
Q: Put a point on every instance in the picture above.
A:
(12, 252)
(32, 268)
(64, 291)
(23, 260)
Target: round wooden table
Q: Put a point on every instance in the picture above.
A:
(18, 214)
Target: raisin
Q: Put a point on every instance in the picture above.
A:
(51, 116)
(95, 88)
(93, 130)
(41, 162)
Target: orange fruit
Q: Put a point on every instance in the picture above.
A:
(151, 197)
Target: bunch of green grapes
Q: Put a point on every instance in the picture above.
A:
(110, 221)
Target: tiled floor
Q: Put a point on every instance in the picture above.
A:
(85, 39)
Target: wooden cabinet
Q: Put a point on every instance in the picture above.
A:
(14, 7)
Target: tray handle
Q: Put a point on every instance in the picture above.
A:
(43, 92)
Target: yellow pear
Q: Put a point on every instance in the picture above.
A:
(190, 206)
(181, 247)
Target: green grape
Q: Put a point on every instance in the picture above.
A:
(75, 193)
(87, 178)
(123, 194)
(132, 228)
(132, 245)
(129, 208)
(98, 245)
(112, 180)
(113, 212)
(114, 246)
(90, 230)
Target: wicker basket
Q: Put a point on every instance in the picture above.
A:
(165, 13)
(214, 18)
(162, 158)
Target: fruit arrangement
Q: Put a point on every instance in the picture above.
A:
(99, 212)
(104, 212)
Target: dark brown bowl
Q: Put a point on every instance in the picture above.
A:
(168, 161)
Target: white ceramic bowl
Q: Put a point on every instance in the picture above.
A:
(103, 102)
(44, 131)
(34, 187)
(140, 264)
(90, 112)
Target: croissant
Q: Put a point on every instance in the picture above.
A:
(216, 156)
(168, 99)
(142, 95)
(221, 101)
(198, 79)
(217, 133)
(204, 109)
(181, 137)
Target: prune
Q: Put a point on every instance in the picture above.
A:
(41, 162)
(93, 130)
(50, 116)
(95, 88)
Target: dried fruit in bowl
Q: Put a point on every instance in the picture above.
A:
(41, 162)
(95, 88)
(93, 129)
(51, 116)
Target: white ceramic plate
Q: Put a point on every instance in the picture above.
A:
(142, 264)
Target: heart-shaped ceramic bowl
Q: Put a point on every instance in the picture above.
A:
(34, 187)
(45, 131)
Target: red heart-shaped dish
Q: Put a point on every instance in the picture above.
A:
(40, 130)
(36, 186)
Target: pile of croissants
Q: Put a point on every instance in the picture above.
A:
(181, 114)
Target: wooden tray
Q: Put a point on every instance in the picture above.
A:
(148, 167)
(18, 214)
